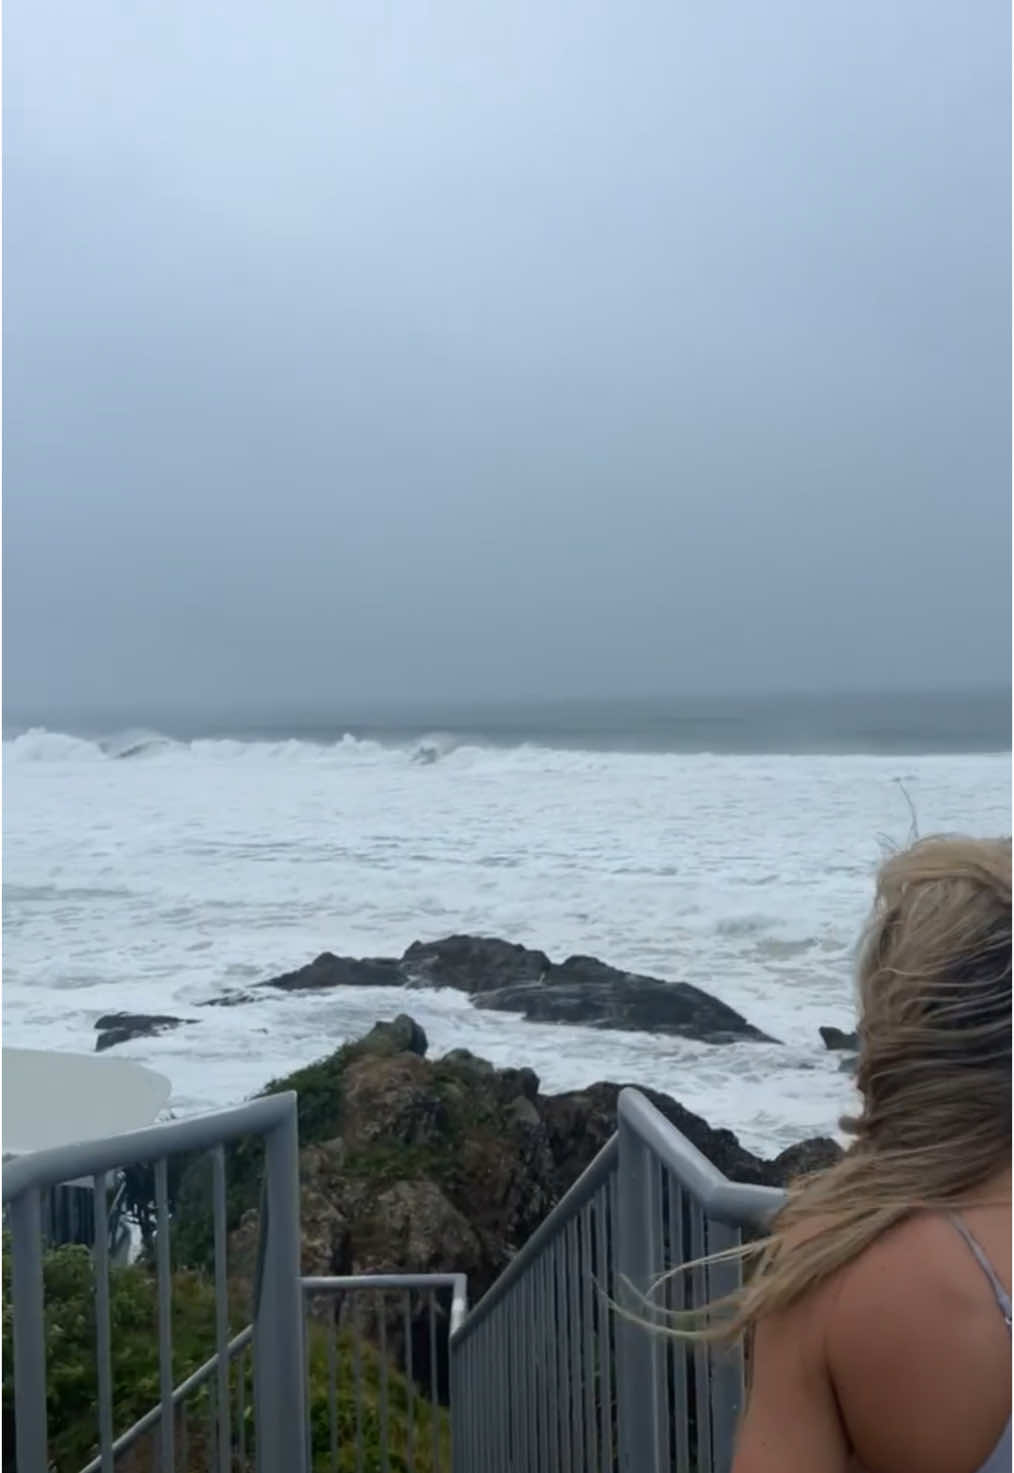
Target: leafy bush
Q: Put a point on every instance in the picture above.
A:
(71, 1372)
(72, 1380)
(416, 1433)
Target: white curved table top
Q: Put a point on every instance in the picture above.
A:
(56, 1099)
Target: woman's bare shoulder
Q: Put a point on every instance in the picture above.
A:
(917, 1350)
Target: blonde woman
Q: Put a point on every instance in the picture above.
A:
(880, 1311)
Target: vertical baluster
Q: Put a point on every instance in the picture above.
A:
(676, 1299)
(550, 1369)
(240, 1411)
(562, 1348)
(726, 1364)
(409, 1385)
(167, 1455)
(660, 1342)
(513, 1388)
(434, 1395)
(531, 1370)
(704, 1460)
(212, 1428)
(605, 1221)
(498, 1362)
(357, 1357)
(332, 1381)
(279, 1361)
(307, 1390)
(385, 1451)
(574, 1332)
(586, 1229)
(540, 1342)
(641, 1380)
(103, 1342)
(29, 1326)
(221, 1308)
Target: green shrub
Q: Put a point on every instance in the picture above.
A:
(71, 1372)
(423, 1422)
(72, 1380)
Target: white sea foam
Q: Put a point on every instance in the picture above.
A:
(162, 879)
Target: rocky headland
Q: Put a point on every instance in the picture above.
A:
(426, 1165)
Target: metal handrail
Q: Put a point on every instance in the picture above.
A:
(737, 1204)
(354, 1283)
(570, 1203)
(547, 1377)
(278, 1362)
(58, 1164)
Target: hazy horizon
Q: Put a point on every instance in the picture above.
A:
(508, 353)
(888, 723)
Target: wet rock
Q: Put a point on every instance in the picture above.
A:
(473, 964)
(836, 1040)
(523, 1112)
(805, 1158)
(584, 990)
(463, 1058)
(403, 1035)
(581, 1122)
(328, 970)
(506, 977)
(115, 1028)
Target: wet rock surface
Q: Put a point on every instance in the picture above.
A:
(506, 977)
(836, 1040)
(116, 1028)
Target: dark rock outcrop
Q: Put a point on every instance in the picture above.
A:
(803, 1159)
(473, 964)
(403, 1036)
(837, 1041)
(585, 990)
(117, 1028)
(510, 978)
(328, 970)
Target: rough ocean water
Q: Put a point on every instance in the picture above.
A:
(151, 874)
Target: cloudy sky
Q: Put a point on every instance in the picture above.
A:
(361, 350)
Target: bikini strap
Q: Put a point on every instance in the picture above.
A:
(1002, 1297)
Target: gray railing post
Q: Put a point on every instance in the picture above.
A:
(642, 1410)
(279, 1354)
(29, 1316)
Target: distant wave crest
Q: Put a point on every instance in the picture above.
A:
(41, 745)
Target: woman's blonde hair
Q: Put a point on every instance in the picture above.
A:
(934, 1073)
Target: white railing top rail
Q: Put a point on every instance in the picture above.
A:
(58, 1164)
(733, 1203)
(279, 1380)
(357, 1283)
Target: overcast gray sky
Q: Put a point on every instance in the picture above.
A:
(361, 349)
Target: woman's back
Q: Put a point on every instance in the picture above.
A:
(881, 1301)
(900, 1362)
